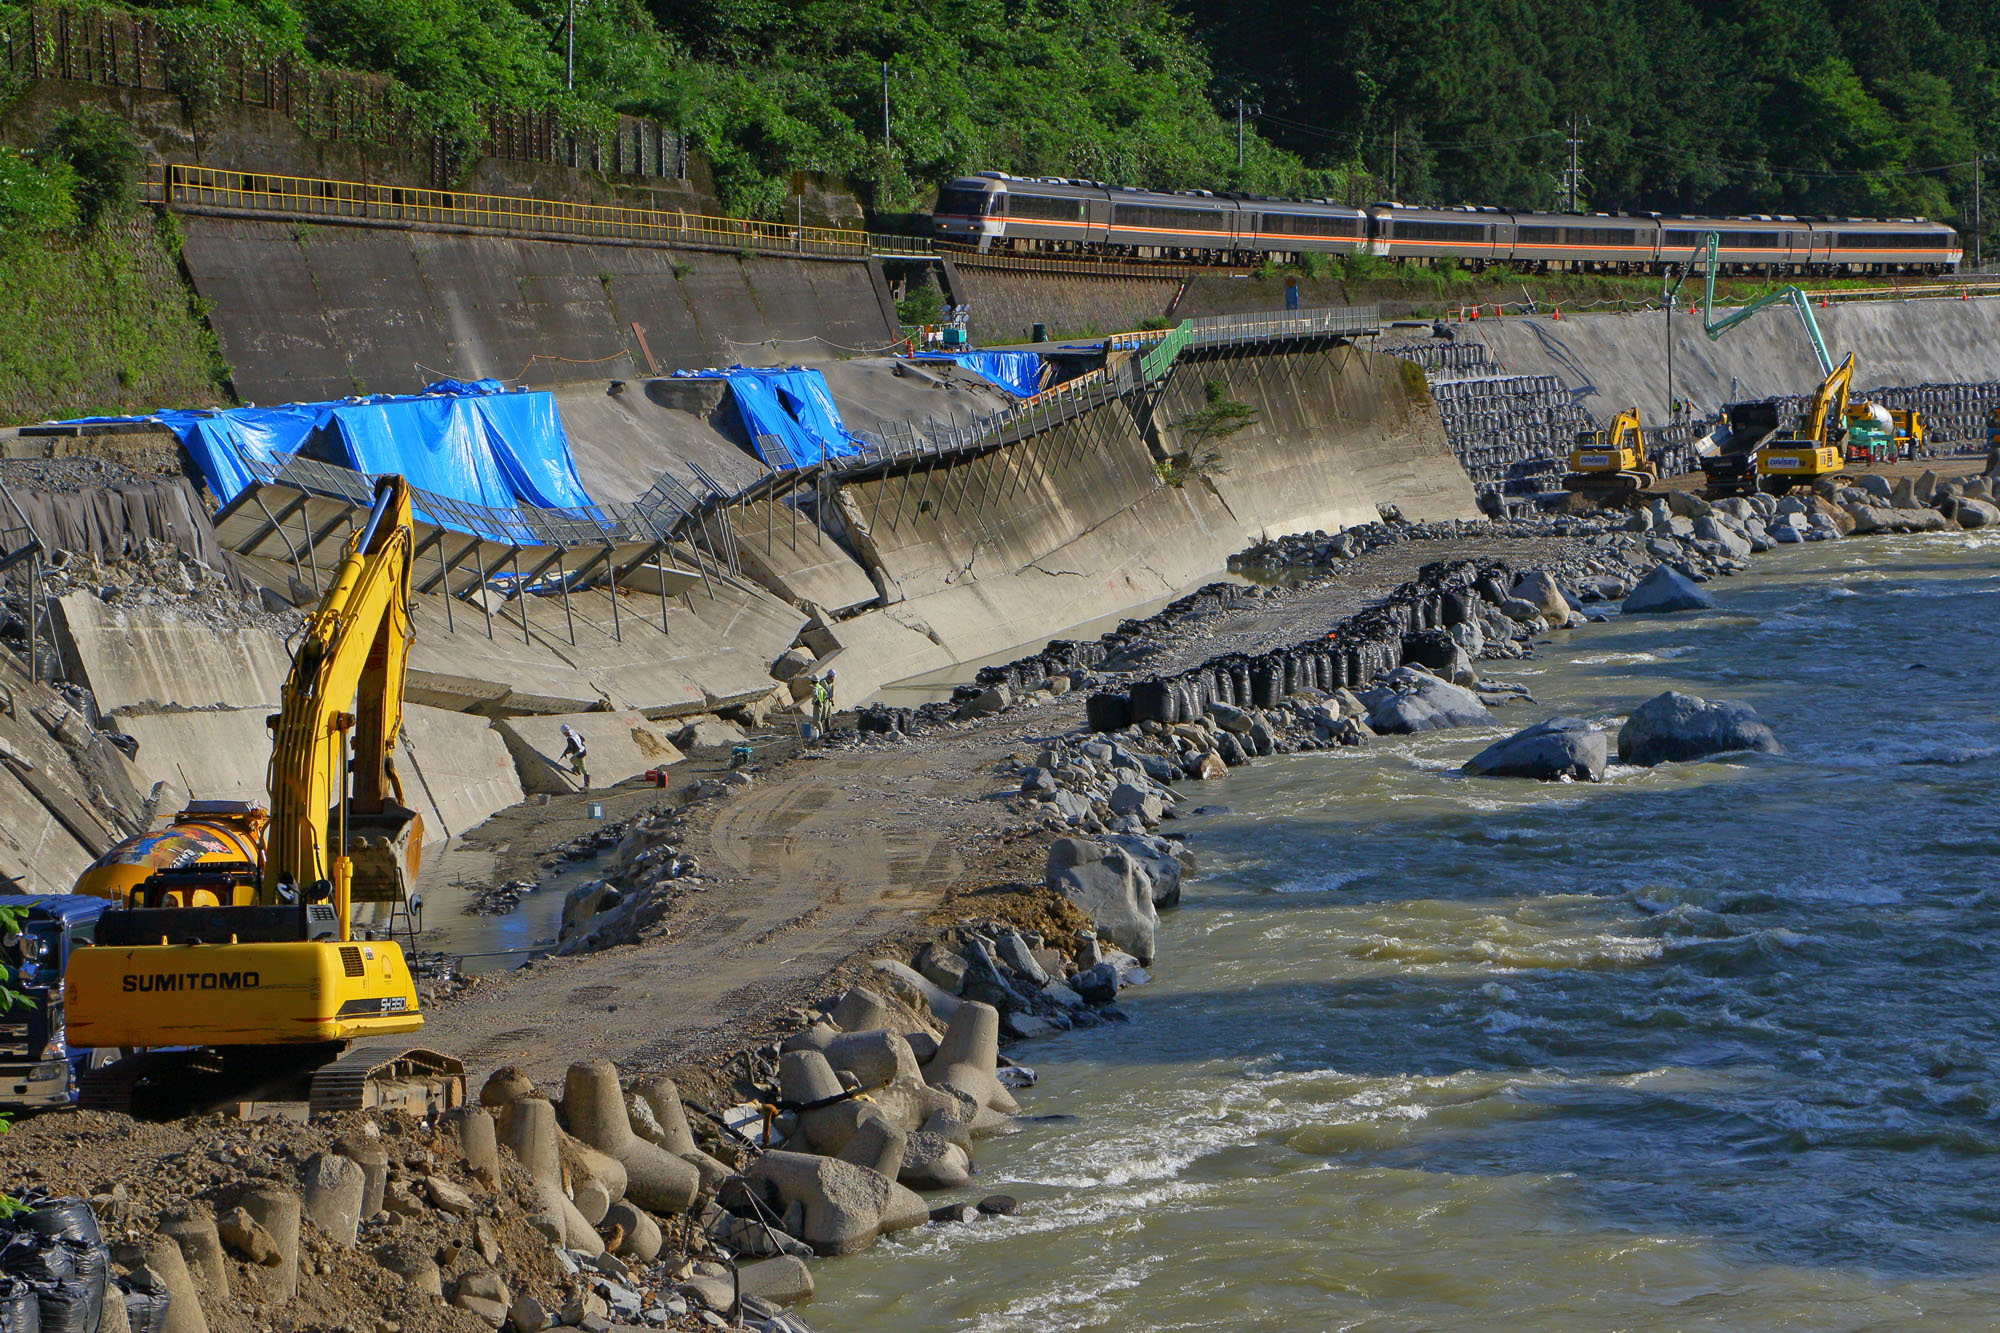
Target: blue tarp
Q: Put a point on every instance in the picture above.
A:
(470, 442)
(793, 405)
(1019, 373)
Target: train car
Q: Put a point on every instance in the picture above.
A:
(1476, 236)
(1194, 225)
(994, 211)
(1901, 245)
(1290, 227)
(1754, 244)
(1586, 242)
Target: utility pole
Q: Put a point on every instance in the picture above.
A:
(1239, 134)
(569, 46)
(1977, 220)
(1395, 160)
(885, 104)
(1574, 176)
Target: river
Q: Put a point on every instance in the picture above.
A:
(1704, 1046)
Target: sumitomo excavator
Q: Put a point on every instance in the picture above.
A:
(227, 970)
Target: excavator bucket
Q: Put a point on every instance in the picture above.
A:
(385, 849)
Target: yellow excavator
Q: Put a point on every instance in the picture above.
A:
(1610, 466)
(1817, 446)
(228, 971)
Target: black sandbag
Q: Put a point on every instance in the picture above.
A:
(1149, 701)
(93, 1269)
(20, 1311)
(37, 1258)
(66, 1306)
(145, 1309)
(68, 1219)
(1107, 711)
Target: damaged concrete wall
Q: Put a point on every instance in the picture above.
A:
(986, 555)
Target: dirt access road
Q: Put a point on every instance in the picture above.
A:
(827, 854)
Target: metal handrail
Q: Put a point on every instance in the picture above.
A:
(197, 189)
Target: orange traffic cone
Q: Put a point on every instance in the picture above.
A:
(1475, 314)
(1556, 313)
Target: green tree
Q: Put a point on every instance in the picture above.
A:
(102, 156)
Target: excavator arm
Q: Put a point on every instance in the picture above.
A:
(1627, 435)
(339, 831)
(1827, 417)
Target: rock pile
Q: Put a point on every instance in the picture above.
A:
(648, 872)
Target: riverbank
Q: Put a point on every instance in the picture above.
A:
(779, 893)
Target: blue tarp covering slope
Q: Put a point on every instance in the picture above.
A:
(470, 442)
(793, 405)
(1019, 373)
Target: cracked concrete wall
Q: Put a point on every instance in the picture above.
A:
(1016, 546)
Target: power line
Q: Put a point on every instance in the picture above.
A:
(1357, 138)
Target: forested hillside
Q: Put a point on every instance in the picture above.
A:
(1843, 106)
(1846, 106)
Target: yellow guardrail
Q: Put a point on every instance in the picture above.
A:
(200, 189)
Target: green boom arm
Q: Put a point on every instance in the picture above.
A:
(1715, 328)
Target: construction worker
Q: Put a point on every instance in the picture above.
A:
(574, 750)
(823, 704)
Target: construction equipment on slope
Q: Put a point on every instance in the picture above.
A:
(227, 971)
(1610, 466)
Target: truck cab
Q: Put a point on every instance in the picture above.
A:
(37, 1070)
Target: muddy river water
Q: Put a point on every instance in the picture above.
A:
(1705, 1046)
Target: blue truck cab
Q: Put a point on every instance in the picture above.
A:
(37, 1069)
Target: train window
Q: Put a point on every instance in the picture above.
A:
(1052, 210)
(1167, 219)
(1405, 230)
(1539, 235)
(1293, 224)
(1890, 240)
(965, 203)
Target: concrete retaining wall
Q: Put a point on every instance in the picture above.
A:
(1011, 548)
(1006, 303)
(309, 312)
(456, 770)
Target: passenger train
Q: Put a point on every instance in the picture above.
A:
(996, 212)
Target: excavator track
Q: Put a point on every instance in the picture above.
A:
(389, 1077)
(255, 1082)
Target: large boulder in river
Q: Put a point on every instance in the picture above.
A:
(1542, 592)
(1110, 887)
(1873, 518)
(1665, 589)
(1408, 700)
(1972, 513)
(1677, 726)
(1562, 747)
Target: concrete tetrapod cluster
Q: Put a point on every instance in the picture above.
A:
(863, 1122)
